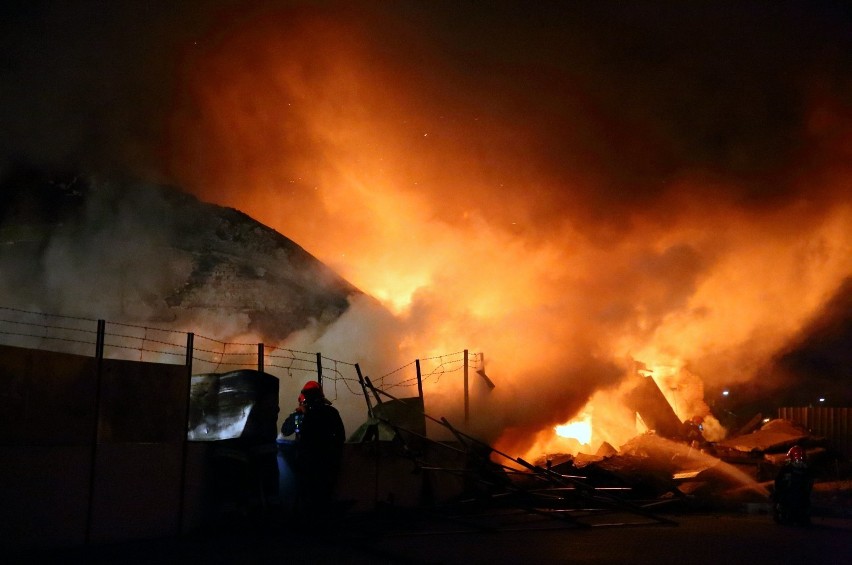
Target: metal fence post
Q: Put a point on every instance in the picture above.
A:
(99, 358)
(466, 392)
(190, 345)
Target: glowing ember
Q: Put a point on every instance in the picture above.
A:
(581, 430)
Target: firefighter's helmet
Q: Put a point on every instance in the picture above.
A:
(312, 390)
(698, 422)
(796, 456)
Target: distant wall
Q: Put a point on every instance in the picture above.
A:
(87, 463)
(835, 424)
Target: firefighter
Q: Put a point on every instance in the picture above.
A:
(693, 433)
(793, 486)
(320, 436)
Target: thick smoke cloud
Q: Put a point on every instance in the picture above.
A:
(566, 187)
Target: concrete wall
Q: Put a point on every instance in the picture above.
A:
(86, 464)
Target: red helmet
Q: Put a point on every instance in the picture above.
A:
(311, 390)
(796, 454)
(311, 385)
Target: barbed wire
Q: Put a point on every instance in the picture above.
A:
(141, 349)
(338, 373)
(447, 363)
(47, 337)
(146, 328)
(45, 314)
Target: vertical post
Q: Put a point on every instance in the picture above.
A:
(364, 389)
(190, 344)
(319, 369)
(419, 381)
(371, 387)
(99, 358)
(260, 355)
(99, 344)
(466, 393)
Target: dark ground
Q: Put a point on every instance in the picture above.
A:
(385, 537)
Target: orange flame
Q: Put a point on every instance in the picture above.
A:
(447, 212)
(579, 428)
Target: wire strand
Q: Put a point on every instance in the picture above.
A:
(337, 372)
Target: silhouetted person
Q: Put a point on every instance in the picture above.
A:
(793, 486)
(693, 433)
(319, 450)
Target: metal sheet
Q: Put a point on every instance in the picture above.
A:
(238, 404)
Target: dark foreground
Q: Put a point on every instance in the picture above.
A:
(385, 537)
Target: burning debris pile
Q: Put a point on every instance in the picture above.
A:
(651, 474)
(673, 470)
(674, 460)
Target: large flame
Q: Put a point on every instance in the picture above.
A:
(579, 428)
(456, 208)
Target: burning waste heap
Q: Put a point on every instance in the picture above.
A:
(687, 463)
(671, 466)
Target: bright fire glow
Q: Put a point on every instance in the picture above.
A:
(581, 430)
(453, 218)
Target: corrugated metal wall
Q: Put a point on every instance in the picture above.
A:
(835, 424)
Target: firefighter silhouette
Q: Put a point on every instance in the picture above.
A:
(693, 433)
(793, 486)
(320, 435)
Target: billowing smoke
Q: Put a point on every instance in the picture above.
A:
(569, 189)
